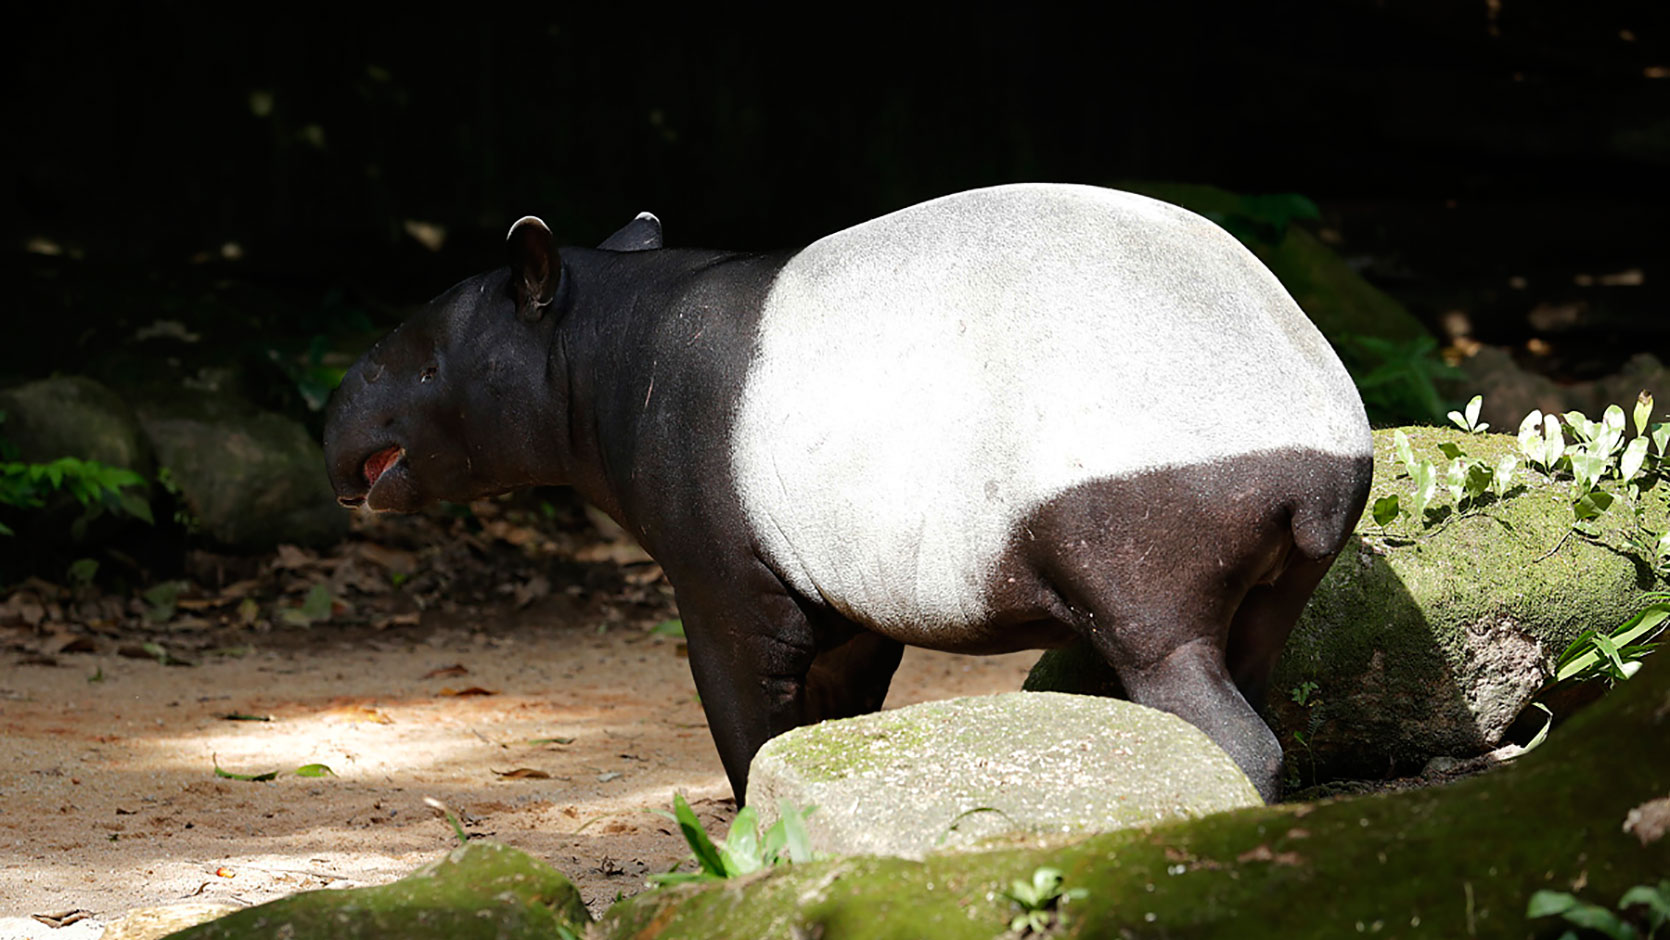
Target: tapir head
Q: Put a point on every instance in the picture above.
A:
(455, 403)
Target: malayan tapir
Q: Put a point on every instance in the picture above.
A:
(995, 421)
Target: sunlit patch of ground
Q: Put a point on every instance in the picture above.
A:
(109, 798)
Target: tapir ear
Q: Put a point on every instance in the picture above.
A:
(641, 234)
(534, 267)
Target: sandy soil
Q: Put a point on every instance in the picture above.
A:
(109, 799)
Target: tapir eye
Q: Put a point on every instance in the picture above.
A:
(427, 374)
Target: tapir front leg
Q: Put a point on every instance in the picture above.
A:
(751, 648)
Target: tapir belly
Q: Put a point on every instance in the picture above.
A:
(927, 383)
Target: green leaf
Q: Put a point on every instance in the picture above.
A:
(1595, 917)
(1455, 479)
(1553, 441)
(1405, 453)
(1613, 417)
(318, 603)
(1656, 898)
(136, 506)
(680, 877)
(1609, 649)
(795, 838)
(1643, 411)
(314, 770)
(1539, 737)
(1592, 504)
(1587, 467)
(83, 571)
(1660, 435)
(1386, 509)
(741, 851)
(253, 778)
(1046, 882)
(1478, 479)
(702, 847)
(1502, 479)
(673, 628)
(1530, 436)
(1451, 450)
(1634, 456)
(315, 608)
(1426, 486)
(160, 600)
(1580, 425)
(1549, 903)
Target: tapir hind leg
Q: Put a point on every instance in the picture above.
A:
(1264, 620)
(851, 674)
(1153, 578)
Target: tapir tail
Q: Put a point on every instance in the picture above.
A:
(1325, 514)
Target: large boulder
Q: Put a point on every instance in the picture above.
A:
(1429, 640)
(1585, 813)
(950, 774)
(249, 479)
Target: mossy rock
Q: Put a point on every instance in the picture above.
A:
(481, 890)
(74, 416)
(1455, 861)
(250, 479)
(1428, 640)
(71, 416)
(1034, 763)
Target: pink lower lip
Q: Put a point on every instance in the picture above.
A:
(378, 463)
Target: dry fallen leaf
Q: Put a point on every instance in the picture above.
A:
(523, 773)
(359, 713)
(62, 918)
(1263, 854)
(393, 559)
(531, 590)
(472, 690)
(1649, 821)
(293, 559)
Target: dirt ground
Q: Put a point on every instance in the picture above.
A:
(549, 719)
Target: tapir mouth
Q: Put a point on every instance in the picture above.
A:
(372, 469)
(378, 463)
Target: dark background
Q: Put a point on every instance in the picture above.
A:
(165, 154)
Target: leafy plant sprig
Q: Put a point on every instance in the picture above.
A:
(1653, 900)
(1615, 654)
(1597, 452)
(1040, 900)
(743, 851)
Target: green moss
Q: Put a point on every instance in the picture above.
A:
(483, 889)
(1429, 639)
(845, 749)
(1448, 862)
